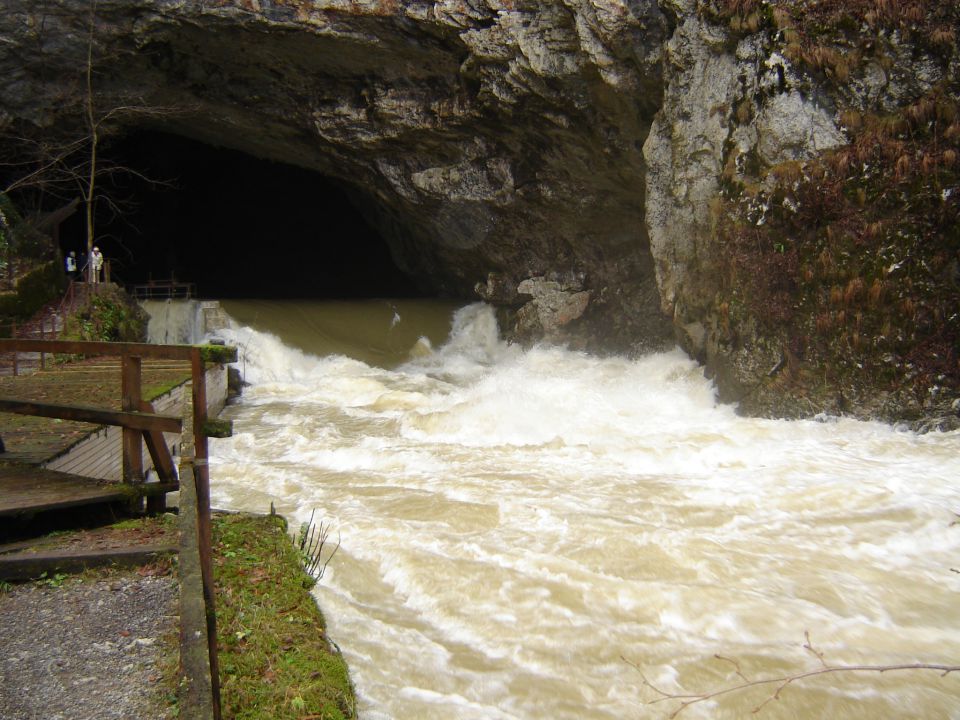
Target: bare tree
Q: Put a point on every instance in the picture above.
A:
(67, 163)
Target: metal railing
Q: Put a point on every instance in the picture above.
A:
(164, 289)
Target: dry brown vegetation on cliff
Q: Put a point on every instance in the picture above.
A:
(854, 256)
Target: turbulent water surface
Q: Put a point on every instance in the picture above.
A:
(531, 533)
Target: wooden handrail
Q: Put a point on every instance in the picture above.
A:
(135, 420)
(141, 425)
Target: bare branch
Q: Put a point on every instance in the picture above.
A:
(311, 541)
(685, 700)
(48, 165)
(808, 646)
(736, 666)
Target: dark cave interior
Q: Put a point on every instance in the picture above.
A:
(234, 225)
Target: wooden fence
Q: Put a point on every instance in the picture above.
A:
(140, 425)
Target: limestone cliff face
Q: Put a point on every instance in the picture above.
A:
(802, 182)
(590, 166)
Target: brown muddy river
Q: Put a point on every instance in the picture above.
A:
(518, 524)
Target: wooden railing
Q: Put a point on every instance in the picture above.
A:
(141, 425)
(44, 329)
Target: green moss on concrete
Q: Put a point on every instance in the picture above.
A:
(221, 354)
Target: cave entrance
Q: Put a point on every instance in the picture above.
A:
(234, 225)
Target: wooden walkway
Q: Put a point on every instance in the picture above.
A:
(28, 489)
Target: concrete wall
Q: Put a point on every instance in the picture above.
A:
(182, 322)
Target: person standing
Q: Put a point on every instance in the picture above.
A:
(96, 263)
(71, 263)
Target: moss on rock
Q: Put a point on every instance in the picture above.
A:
(848, 262)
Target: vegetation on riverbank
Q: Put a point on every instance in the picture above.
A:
(108, 315)
(276, 661)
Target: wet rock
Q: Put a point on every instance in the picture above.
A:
(553, 306)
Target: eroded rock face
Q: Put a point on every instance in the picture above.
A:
(749, 118)
(481, 137)
(568, 162)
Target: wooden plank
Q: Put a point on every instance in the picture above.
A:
(84, 413)
(26, 490)
(79, 347)
(26, 566)
(159, 450)
(201, 472)
(94, 457)
(88, 452)
(162, 461)
(131, 445)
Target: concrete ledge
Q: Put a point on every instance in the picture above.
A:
(196, 689)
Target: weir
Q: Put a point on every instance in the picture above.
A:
(182, 322)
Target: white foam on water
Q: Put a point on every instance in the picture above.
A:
(515, 522)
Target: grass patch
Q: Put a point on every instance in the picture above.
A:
(275, 658)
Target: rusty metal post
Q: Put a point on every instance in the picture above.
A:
(130, 376)
(202, 478)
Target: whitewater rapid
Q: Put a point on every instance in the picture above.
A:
(531, 533)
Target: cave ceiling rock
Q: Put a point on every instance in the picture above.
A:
(489, 180)
(479, 136)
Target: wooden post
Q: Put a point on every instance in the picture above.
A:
(43, 336)
(130, 374)
(16, 355)
(162, 462)
(202, 478)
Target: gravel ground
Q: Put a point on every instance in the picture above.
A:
(88, 649)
